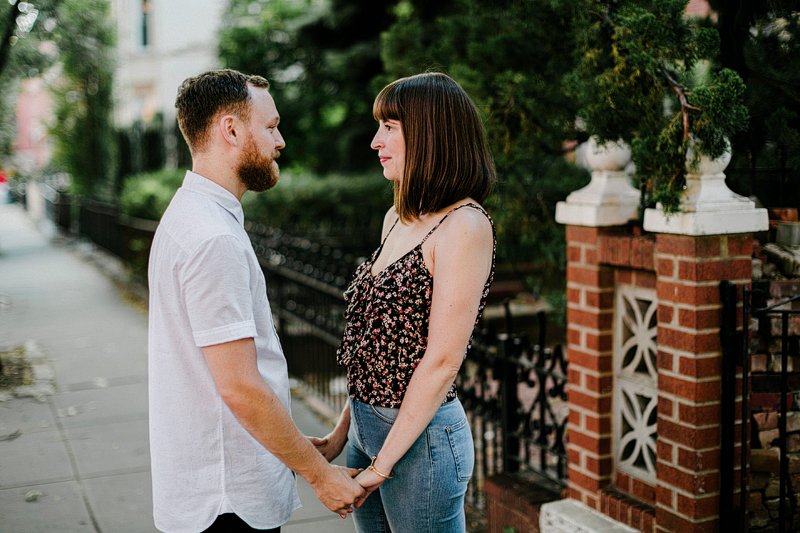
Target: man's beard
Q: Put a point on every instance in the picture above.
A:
(257, 172)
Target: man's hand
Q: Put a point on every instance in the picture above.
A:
(337, 489)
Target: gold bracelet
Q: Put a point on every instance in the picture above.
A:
(372, 467)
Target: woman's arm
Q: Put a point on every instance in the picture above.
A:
(461, 261)
(332, 444)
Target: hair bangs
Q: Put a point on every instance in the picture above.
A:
(387, 104)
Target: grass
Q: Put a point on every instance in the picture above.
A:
(15, 370)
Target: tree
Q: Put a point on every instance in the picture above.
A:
(25, 26)
(78, 37)
(510, 56)
(646, 74)
(760, 41)
(320, 57)
(83, 131)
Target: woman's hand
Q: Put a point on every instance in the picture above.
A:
(370, 481)
(332, 444)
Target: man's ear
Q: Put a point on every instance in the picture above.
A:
(229, 129)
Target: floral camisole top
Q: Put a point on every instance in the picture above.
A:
(386, 331)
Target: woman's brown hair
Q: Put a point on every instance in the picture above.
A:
(447, 157)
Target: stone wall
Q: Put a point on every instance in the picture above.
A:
(765, 406)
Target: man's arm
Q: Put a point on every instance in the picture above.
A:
(261, 413)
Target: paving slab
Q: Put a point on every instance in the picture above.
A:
(108, 448)
(122, 503)
(99, 406)
(58, 507)
(26, 416)
(34, 458)
(84, 451)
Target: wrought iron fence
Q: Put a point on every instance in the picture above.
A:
(513, 387)
(306, 282)
(58, 207)
(514, 391)
(771, 333)
(126, 237)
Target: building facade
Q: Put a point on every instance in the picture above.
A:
(159, 44)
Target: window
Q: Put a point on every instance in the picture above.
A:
(146, 8)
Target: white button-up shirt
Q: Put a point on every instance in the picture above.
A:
(206, 288)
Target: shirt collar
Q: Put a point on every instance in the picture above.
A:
(202, 185)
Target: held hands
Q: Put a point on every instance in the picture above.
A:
(337, 489)
(370, 479)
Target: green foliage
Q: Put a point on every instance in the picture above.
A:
(83, 132)
(349, 209)
(638, 70)
(22, 55)
(515, 76)
(320, 57)
(141, 147)
(640, 78)
(761, 42)
(148, 195)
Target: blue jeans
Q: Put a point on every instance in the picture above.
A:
(430, 481)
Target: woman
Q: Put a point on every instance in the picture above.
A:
(411, 310)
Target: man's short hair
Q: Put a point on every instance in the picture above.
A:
(201, 98)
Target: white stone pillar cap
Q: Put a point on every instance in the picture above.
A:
(609, 199)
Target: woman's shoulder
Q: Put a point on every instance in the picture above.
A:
(469, 219)
(389, 220)
(390, 216)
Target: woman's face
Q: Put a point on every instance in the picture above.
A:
(391, 147)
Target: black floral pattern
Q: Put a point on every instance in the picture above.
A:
(386, 331)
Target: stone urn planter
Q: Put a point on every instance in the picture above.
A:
(708, 206)
(609, 199)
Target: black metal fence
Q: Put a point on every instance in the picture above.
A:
(770, 333)
(512, 385)
(126, 237)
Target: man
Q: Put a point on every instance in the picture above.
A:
(223, 445)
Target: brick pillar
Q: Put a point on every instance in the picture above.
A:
(590, 299)
(689, 270)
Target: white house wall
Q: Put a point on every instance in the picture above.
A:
(182, 42)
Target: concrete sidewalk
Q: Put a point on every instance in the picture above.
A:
(74, 446)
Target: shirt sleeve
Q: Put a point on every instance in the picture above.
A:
(217, 293)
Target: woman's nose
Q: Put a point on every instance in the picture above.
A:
(376, 141)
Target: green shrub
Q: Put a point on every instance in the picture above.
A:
(347, 209)
(147, 195)
(300, 204)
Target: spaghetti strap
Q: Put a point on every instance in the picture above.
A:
(470, 204)
(377, 252)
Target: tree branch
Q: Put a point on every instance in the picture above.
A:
(685, 105)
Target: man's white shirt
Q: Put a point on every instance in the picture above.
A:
(206, 288)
